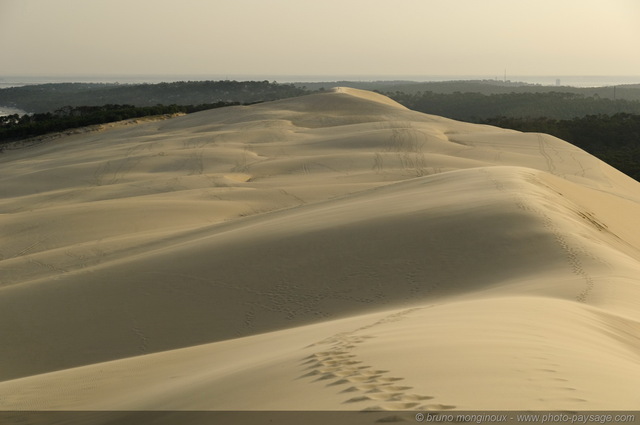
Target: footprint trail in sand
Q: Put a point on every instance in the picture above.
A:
(366, 386)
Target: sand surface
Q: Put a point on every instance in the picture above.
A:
(329, 252)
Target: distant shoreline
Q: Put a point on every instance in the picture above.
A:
(546, 80)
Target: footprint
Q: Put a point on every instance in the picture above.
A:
(326, 376)
(358, 399)
(328, 369)
(416, 397)
(330, 362)
(338, 382)
(312, 373)
(370, 373)
(363, 378)
(322, 354)
(397, 388)
(364, 387)
(344, 356)
(346, 373)
(385, 396)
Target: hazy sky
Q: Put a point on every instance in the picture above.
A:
(393, 37)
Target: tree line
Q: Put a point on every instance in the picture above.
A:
(475, 107)
(15, 127)
(44, 98)
(486, 87)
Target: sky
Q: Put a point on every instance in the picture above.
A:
(312, 37)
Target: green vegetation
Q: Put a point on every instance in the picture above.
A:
(45, 98)
(15, 127)
(475, 107)
(486, 87)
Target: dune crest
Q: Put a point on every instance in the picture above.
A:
(368, 95)
(339, 249)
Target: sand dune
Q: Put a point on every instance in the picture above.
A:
(334, 252)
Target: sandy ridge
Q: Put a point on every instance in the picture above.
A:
(345, 250)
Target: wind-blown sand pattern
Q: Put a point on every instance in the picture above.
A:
(329, 252)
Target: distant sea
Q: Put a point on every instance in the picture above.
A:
(565, 80)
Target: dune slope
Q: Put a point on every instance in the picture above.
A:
(334, 251)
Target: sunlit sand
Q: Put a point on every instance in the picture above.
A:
(330, 252)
